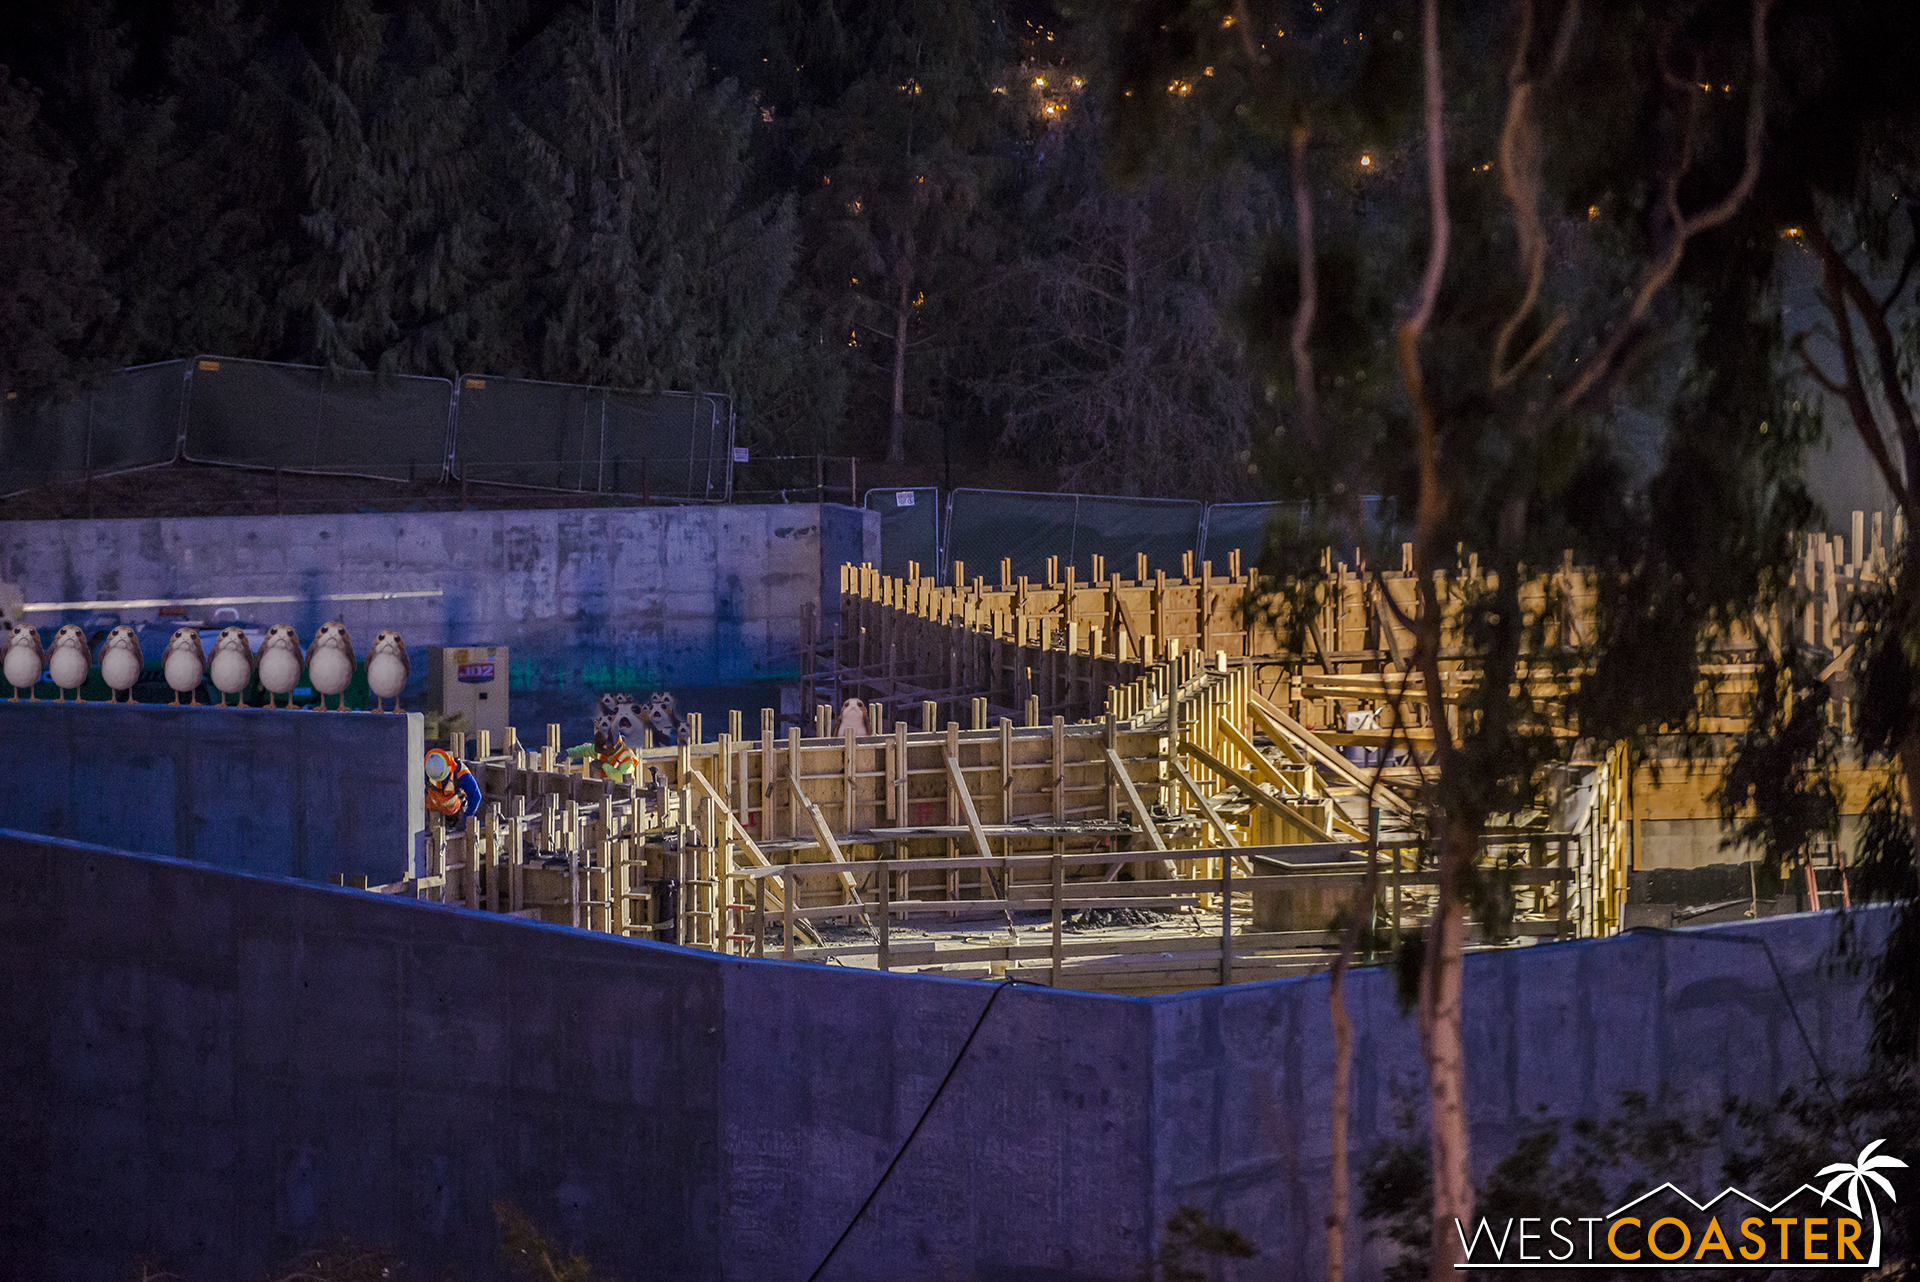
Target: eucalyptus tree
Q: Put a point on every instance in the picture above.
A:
(1516, 229)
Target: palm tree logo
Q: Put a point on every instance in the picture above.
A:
(1856, 1177)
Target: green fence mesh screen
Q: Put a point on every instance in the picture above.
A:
(909, 530)
(562, 436)
(302, 418)
(984, 526)
(127, 419)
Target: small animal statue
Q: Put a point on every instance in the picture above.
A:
(620, 715)
(330, 662)
(69, 660)
(231, 664)
(184, 663)
(387, 669)
(280, 662)
(121, 662)
(853, 719)
(24, 661)
(661, 715)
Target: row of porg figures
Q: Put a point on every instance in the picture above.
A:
(328, 663)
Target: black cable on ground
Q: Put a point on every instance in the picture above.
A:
(1778, 978)
(908, 1142)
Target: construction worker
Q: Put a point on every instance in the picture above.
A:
(610, 752)
(452, 790)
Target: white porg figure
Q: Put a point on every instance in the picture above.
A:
(184, 663)
(330, 662)
(387, 669)
(70, 659)
(231, 664)
(280, 662)
(661, 715)
(24, 660)
(853, 719)
(620, 716)
(120, 662)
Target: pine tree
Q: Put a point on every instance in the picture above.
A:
(907, 146)
(396, 272)
(51, 295)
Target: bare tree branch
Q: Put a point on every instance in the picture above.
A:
(1886, 359)
(1520, 180)
(1851, 386)
(1309, 293)
(1685, 227)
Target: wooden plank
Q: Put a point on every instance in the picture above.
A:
(825, 835)
(1254, 793)
(754, 854)
(1201, 799)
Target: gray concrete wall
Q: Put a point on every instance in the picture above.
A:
(1689, 1018)
(601, 598)
(289, 794)
(218, 1070)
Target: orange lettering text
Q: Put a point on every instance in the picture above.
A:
(1784, 1226)
(1809, 1239)
(1847, 1239)
(1613, 1243)
(1653, 1238)
(1716, 1239)
(1747, 1227)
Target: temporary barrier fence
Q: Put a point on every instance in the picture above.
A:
(305, 418)
(129, 419)
(308, 419)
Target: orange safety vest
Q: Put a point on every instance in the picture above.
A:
(618, 759)
(444, 797)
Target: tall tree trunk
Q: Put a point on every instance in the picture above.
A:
(1441, 1046)
(897, 429)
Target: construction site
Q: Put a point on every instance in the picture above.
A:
(1123, 785)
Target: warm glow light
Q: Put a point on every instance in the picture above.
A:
(1593, 211)
(1791, 231)
(1366, 162)
(1039, 82)
(1226, 22)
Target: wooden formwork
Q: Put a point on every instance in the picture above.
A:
(1056, 645)
(1171, 800)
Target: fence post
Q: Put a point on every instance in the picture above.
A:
(1059, 884)
(883, 878)
(1226, 915)
(786, 911)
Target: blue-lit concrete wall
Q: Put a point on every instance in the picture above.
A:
(588, 599)
(215, 1071)
(289, 794)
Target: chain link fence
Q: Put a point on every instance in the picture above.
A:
(596, 440)
(303, 418)
(397, 427)
(129, 419)
(909, 529)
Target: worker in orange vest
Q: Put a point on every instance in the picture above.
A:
(610, 752)
(451, 788)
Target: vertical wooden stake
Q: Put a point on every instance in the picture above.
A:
(883, 890)
(786, 911)
(1059, 885)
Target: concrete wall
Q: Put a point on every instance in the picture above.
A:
(290, 794)
(217, 1070)
(1689, 1018)
(607, 598)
